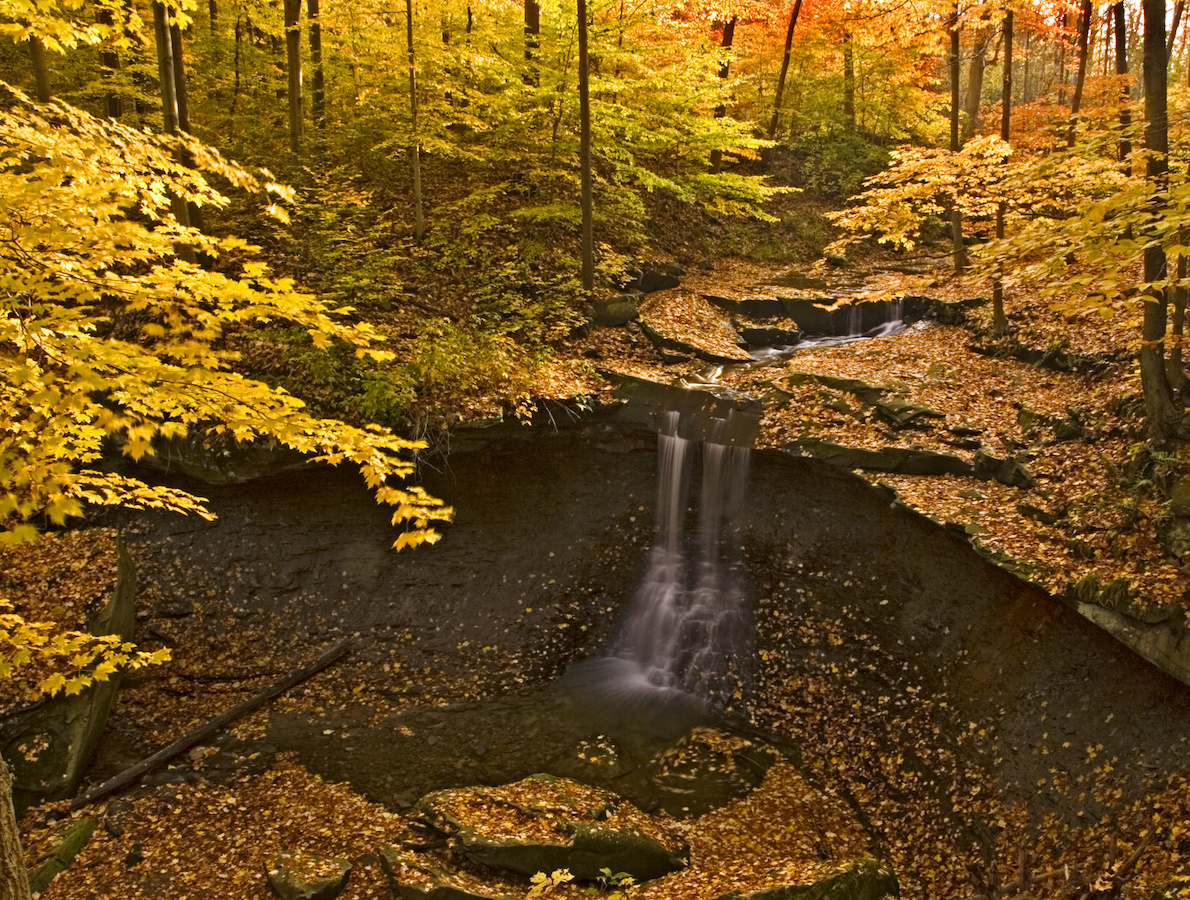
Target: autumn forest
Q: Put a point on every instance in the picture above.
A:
(355, 356)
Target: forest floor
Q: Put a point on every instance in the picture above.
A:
(991, 735)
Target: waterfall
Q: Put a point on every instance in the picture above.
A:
(688, 628)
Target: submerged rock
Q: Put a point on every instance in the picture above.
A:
(543, 823)
(707, 769)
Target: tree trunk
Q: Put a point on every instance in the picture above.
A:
(724, 73)
(999, 319)
(1178, 9)
(1084, 34)
(213, 13)
(318, 92)
(1173, 365)
(956, 215)
(979, 61)
(797, 8)
(293, 65)
(1125, 145)
(110, 60)
(532, 40)
(41, 71)
(1161, 412)
(584, 107)
(1062, 60)
(179, 65)
(419, 223)
(848, 81)
(166, 73)
(14, 883)
(1025, 78)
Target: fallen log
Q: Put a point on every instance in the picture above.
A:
(189, 740)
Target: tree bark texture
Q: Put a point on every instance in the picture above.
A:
(179, 64)
(1160, 409)
(41, 71)
(584, 104)
(14, 882)
(293, 66)
(797, 8)
(979, 62)
(1084, 34)
(724, 73)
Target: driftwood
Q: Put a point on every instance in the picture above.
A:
(189, 740)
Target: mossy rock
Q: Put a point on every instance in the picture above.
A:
(299, 876)
(864, 880)
(543, 823)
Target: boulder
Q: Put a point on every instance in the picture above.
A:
(543, 823)
(304, 876)
(616, 311)
(1006, 471)
(862, 880)
(659, 276)
(1179, 497)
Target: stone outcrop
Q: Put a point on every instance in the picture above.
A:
(544, 823)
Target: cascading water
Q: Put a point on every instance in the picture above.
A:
(688, 629)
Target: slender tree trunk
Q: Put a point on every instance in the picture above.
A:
(1161, 411)
(1178, 9)
(848, 81)
(724, 73)
(979, 61)
(1062, 60)
(419, 224)
(14, 883)
(169, 109)
(999, 320)
(532, 40)
(797, 8)
(213, 13)
(1084, 33)
(1125, 145)
(293, 65)
(584, 105)
(1173, 364)
(235, 93)
(1028, 58)
(110, 60)
(41, 71)
(318, 89)
(179, 64)
(956, 214)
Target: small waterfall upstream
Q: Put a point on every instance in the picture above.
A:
(688, 633)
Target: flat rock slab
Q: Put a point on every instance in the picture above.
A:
(543, 823)
(862, 880)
